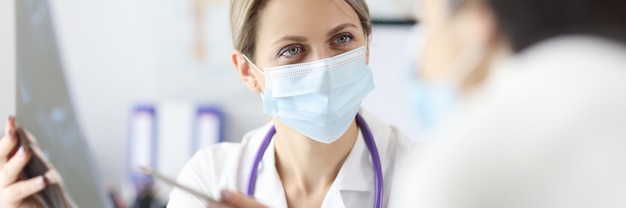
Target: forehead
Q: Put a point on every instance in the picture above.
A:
(304, 17)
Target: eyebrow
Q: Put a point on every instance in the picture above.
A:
(340, 28)
(304, 39)
(291, 38)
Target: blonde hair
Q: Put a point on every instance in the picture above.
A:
(244, 17)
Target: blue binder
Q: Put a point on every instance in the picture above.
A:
(142, 146)
(208, 127)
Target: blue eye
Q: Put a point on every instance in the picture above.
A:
(291, 51)
(343, 39)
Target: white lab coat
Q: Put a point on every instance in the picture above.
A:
(227, 166)
(547, 130)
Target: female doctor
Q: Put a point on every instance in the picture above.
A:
(308, 60)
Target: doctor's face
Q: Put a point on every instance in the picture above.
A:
(298, 31)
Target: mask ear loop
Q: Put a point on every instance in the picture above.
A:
(260, 93)
(253, 65)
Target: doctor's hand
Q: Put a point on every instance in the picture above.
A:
(237, 200)
(13, 191)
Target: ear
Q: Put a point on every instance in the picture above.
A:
(245, 72)
(491, 28)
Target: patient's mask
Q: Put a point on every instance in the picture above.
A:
(432, 104)
(436, 102)
(319, 99)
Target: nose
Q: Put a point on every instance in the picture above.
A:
(321, 52)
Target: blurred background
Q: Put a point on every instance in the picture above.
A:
(151, 80)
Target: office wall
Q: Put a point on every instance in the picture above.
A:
(7, 59)
(107, 53)
(390, 57)
(119, 54)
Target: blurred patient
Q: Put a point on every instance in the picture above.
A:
(543, 89)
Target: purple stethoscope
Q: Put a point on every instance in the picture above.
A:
(371, 145)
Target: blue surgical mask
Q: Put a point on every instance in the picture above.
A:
(319, 99)
(433, 104)
(437, 102)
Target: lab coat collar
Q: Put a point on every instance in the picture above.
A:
(357, 172)
(269, 189)
(269, 181)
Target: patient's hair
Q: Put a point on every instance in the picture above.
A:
(244, 17)
(526, 22)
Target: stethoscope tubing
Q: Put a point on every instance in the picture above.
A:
(369, 141)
